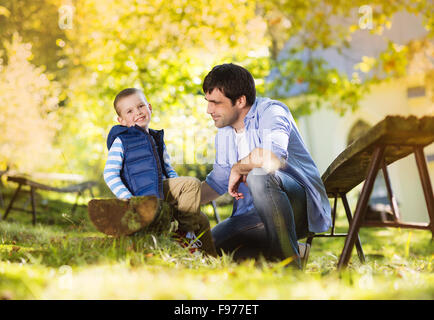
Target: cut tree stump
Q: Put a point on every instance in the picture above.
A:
(117, 217)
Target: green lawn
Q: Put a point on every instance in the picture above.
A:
(64, 257)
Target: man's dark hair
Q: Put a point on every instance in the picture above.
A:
(124, 93)
(233, 81)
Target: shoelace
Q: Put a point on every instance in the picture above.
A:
(187, 240)
(194, 241)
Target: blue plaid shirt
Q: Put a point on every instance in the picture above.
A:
(269, 125)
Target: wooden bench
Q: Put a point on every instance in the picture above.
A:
(33, 186)
(2, 172)
(388, 141)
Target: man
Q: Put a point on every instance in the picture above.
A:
(262, 161)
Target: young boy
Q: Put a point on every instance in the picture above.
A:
(138, 165)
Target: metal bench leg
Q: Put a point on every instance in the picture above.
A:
(2, 203)
(391, 196)
(426, 184)
(76, 202)
(362, 203)
(350, 218)
(309, 240)
(335, 204)
(216, 215)
(91, 193)
(12, 202)
(33, 200)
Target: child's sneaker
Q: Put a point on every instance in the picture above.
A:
(187, 240)
(123, 217)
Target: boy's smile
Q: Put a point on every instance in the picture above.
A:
(134, 110)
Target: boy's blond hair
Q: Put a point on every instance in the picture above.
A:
(125, 93)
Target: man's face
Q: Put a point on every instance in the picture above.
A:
(134, 109)
(221, 109)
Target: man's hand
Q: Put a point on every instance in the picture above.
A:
(258, 158)
(235, 179)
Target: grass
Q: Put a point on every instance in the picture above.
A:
(64, 257)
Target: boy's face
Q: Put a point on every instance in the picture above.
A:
(134, 109)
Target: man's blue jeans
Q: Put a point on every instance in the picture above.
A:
(273, 227)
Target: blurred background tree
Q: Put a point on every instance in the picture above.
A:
(299, 30)
(163, 47)
(167, 47)
(28, 117)
(36, 23)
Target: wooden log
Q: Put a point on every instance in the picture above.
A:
(117, 217)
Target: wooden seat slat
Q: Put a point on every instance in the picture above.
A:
(400, 134)
(72, 188)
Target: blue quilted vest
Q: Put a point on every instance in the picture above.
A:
(143, 167)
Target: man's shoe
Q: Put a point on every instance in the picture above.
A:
(118, 217)
(304, 250)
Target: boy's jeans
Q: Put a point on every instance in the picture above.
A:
(273, 227)
(183, 193)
